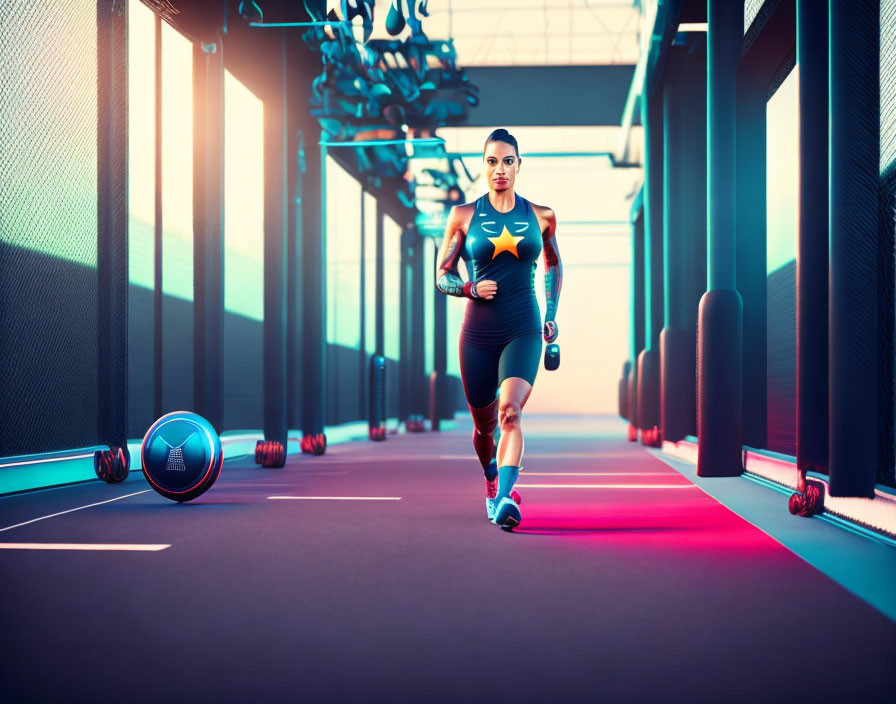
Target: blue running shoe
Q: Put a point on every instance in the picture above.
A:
(507, 513)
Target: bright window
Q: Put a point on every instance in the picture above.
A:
(141, 144)
(782, 185)
(370, 273)
(532, 32)
(392, 261)
(243, 201)
(343, 257)
(177, 163)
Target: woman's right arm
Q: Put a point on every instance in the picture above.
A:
(448, 279)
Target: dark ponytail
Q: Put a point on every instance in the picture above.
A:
(502, 135)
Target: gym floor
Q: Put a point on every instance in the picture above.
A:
(381, 580)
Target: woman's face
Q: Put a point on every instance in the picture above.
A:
(501, 166)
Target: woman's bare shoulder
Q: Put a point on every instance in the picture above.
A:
(542, 210)
(466, 208)
(545, 215)
(461, 215)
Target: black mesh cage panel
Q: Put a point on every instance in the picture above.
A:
(781, 359)
(141, 361)
(48, 226)
(887, 234)
(344, 385)
(243, 366)
(886, 313)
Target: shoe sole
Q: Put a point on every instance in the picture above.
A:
(507, 520)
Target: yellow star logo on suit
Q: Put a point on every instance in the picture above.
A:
(505, 243)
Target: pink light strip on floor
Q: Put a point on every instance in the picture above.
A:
(605, 486)
(82, 546)
(339, 498)
(524, 473)
(554, 456)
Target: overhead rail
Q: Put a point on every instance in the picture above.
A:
(421, 141)
(655, 45)
(297, 24)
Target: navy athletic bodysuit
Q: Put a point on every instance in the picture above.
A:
(501, 337)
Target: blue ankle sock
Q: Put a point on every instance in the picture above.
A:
(506, 479)
(506, 512)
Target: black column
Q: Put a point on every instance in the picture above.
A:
(637, 317)
(303, 373)
(314, 290)
(649, 358)
(854, 41)
(363, 361)
(208, 229)
(112, 224)
(295, 314)
(720, 326)
(417, 328)
(695, 284)
(684, 209)
(812, 272)
(405, 326)
(276, 219)
(380, 292)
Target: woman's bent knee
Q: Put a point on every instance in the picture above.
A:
(509, 414)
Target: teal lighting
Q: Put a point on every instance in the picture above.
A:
(548, 155)
(428, 141)
(296, 24)
(28, 472)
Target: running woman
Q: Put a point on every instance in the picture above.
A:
(500, 236)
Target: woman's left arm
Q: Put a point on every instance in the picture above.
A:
(553, 273)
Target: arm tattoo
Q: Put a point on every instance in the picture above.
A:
(451, 284)
(553, 277)
(448, 279)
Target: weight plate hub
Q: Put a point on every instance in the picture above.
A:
(181, 455)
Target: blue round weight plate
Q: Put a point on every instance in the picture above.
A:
(181, 455)
(552, 357)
